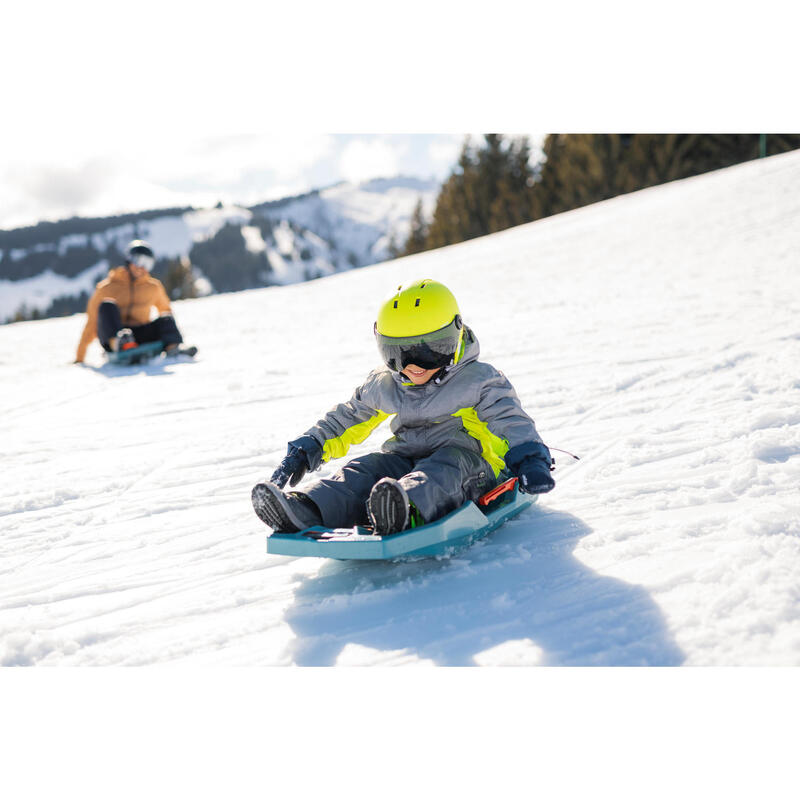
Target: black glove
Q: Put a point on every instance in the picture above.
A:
(304, 454)
(293, 467)
(534, 476)
(530, 462)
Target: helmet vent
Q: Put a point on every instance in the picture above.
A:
(395, 303)
(417, 303)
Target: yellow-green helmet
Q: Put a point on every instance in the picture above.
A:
(419, 324)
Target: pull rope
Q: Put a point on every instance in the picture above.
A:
(566, 452)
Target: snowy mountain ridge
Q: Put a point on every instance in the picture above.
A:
(281, 242)
(656, 335)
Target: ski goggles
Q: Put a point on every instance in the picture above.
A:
(142, 260)
(428, 350)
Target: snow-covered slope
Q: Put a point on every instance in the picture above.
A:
(657, 335)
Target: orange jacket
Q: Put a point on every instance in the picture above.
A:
(135, 298)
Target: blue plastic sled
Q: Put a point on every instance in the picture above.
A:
(458, 529)
(135, 355)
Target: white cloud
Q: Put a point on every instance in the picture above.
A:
(56, 193)
(164, 155)
(364, 159)
(444, 151)
(227, 159)
(107, 170)
(103, 173)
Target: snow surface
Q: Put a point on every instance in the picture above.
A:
(657, 335)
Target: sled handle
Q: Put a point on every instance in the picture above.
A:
(506, 486)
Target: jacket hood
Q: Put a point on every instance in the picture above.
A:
(472, 350)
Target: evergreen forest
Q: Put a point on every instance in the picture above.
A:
(496, 184)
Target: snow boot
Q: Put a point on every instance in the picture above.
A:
(284, 513)
(190, 351)
(125, 340)
(389, 509)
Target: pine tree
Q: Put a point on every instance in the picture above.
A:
(511, 204)
(584, 168)
(572, 174)
(489, 190)
(450, 221)
(418, 231)
(179, 279)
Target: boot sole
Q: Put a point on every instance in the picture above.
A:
(271, 508)
(388, 507)
(190, 352)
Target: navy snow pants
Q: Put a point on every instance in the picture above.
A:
(436, 484)
(109, 322)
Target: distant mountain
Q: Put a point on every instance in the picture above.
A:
(50, 269)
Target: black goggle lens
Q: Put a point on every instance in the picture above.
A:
(429, 351)
(423, 356)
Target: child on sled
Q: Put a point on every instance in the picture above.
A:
(458, 430)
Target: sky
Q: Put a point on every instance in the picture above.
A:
(105, 111)
(104, 174)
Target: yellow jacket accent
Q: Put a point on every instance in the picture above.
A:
(493, 448)
(338, 447)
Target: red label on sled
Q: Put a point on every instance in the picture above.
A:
(506, 486)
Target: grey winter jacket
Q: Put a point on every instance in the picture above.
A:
(470, 405)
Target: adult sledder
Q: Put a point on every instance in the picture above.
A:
(459, 430)
(119, 311)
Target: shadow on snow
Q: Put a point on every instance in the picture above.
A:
(522, 583)
(159, 365)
